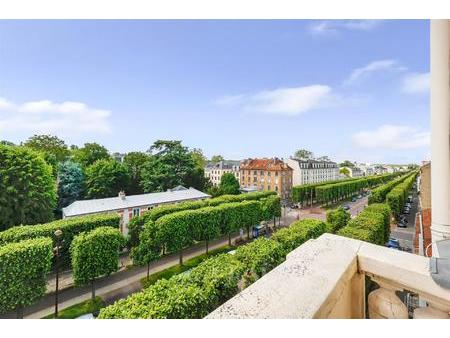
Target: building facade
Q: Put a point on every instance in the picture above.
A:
(131, 206)
(267, 174)
(313, 171)
(214, 171)
(422, 238)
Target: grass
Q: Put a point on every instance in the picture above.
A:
(77, 310)
(187, 265)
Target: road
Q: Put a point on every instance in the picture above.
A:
(406, 235)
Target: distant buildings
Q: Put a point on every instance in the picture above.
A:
(354, 171)
(214, 171)
(306, 171)
(131, 206)
(266, 174)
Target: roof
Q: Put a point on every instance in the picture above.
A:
(117, 203)
(264, 164)
(229, 164)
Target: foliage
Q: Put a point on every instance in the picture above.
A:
(347, 163)
(148, 246)
(95, 254)
(303, 154)
(70, 227)
(345, 171)
(337, 219)
(298, 233)
(90, 153)
(379, 194)
(229, 185)
(217, 158)
(199, 159)
(134, 162)
(385, 210)
(396, 198)
(261, 255)
(50, 145)
(23, 270)
(27, 187)
(106, 178)
(77, 310)
(271, 207)
(70, 183)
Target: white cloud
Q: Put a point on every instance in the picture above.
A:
(283, 101)
(45, 116)
(416, 83)
(392, 137)
(330, 27)
(372, 67)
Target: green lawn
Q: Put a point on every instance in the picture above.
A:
(77, 310)
(187, 265)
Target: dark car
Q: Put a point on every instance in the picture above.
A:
(403, 219)
(401, 224)
(353, 199)
(406, 211)
(346, 207)
(393, 243)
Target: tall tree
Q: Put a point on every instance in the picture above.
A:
(303, 154)
(135, 161)
(199, 159)
(229, 185)
(70, 183)
(170, 165)
(27, 187)
(217, 158)
(106, 178)
(49, 144)
(347, 163)
(89, 153)
(345, 171)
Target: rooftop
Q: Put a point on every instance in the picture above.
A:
(264, 164)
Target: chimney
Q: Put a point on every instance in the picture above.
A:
(122, 195)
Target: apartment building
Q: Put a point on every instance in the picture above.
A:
(422, 238)
(306, 171)
(354, 171)
(214, 171)
(267, 174)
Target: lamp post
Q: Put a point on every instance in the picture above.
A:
(57, 253)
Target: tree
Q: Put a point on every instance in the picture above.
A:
(27, 187)
(170, 165)
(70, 183)
(106, 178)
(49, 144)
(7, 143)
(337, 219)
(199, 158)
(229, 185)
(135, 161)
(217, 158)
(303, 154)
(345, 171)
(95, 254)
(347, 163)
(149, 246)
(89, 153)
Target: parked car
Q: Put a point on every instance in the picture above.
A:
(401, 224)
(406, 211)
(346, 207)
(353, 199)
(403, 219)
(360, 196)
(393, 243)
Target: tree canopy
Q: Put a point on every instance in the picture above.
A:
(229, 185)
(134, 161)
(70, 183)
(49, 144)
(217, 158)
(89, 153)
(303, 154)
(106, 178)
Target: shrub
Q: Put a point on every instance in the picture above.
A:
(337, 219)
(69, 226)
(95, 254)
(298, 233)
(23, 270)
(396, 197)
(27, 187)
(383, 209)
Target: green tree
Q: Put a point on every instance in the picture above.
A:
(170, 165)
(347, 163)
(49, 144)
(70, 183)
(106, 178)
(217, 158)
(149, 246)
(95, 254)
(135, 161)
(89, 153)
(229, 185)
(345, 171)
(27, 187)
(199, 158)
(337, 219)
(303, 154)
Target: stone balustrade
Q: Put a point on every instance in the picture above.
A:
(327, 277)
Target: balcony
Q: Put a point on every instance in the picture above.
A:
(327, 278)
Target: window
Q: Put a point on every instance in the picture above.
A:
(136, 212)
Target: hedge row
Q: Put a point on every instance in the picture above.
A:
(337, 219)
(204, 288)
(311, 192)
(137, 223)
(397, 196)
(70, 227)
(175, 231)
(378, 194)
(371, 225)
(23, 270)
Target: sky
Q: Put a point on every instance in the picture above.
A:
(347, 89)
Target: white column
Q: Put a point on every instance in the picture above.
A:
(440, 130)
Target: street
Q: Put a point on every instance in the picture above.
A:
(406, 235)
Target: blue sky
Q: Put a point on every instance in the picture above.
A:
(353, 90)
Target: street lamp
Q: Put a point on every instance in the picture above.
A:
(57, 253)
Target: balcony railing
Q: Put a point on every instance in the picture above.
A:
(326, 278)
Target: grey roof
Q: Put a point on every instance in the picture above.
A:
(226, 164)
(117, 203)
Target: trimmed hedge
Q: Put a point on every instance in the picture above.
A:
(23, 270)
(396, 197)
(95, 254)
(337, 219)
(378, 195)
(69, 226)
(298, 233)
